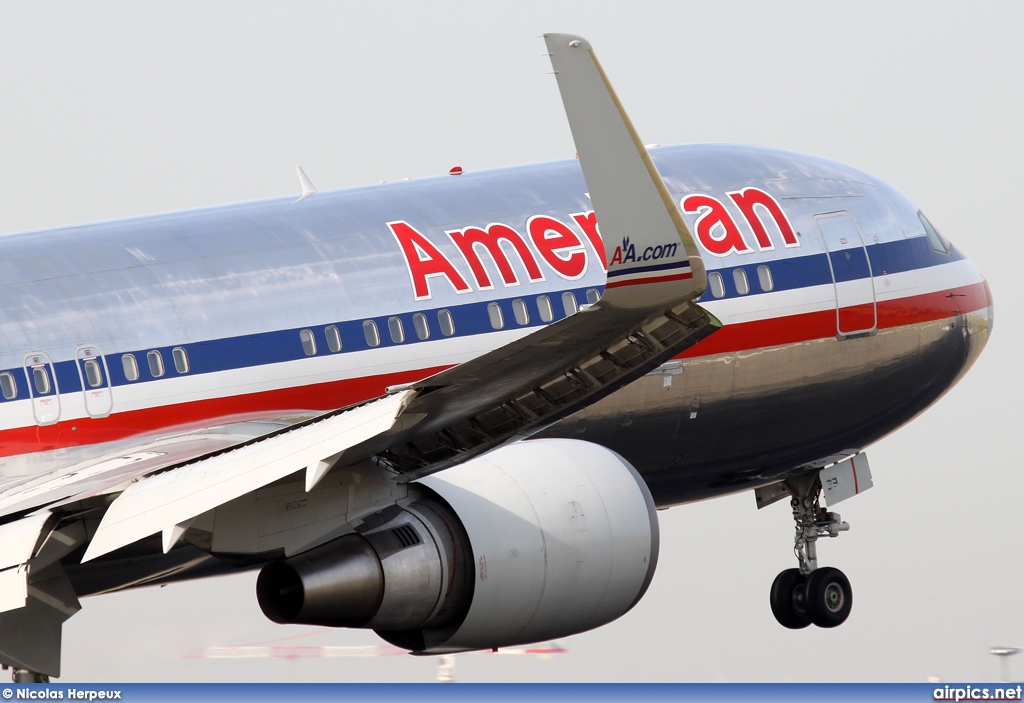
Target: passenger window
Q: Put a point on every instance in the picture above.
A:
(93, 373)
(130, 367)
(764, 277)
(8, 386)
(739, 278)
(396, 329)
(308, 342)
(569, 304)
(333, 338)
(716, 284)
(371, 333)
(180, 359)
(593, 295)
(520, 311)
(495, 316)
(421, 325)
(41, 379)
(544, 308)
(156, 363)
(444, 319)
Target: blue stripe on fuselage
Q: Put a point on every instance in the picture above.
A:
(278, 346)
(649, 269)
(813, 270)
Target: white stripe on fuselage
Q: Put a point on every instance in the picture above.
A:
(799, 301)
(445, 352)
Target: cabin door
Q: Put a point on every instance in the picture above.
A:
(42, 386)
(92, 369)
(856, 309)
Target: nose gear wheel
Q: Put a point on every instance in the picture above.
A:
(789, 592)
(829, 597)
(806, 595)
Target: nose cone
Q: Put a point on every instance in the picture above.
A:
(989, 312)
(978, 315)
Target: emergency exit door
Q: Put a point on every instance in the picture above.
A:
(92, 369)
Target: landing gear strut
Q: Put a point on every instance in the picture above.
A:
(26, 676)
(806, 595)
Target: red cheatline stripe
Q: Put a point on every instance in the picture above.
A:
(777, 331)
(335, 394)
(656, 279)
(201, 413)
(853, 465)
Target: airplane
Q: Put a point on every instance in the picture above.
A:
(448, 409)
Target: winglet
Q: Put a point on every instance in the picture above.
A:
(633, 205)
(307, 185)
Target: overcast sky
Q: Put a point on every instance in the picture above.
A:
(119, 109)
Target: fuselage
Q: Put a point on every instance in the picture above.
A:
(843, 317)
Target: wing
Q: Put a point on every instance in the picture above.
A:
(646, 317)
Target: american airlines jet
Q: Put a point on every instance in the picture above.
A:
(448, 409)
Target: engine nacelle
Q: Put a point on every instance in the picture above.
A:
(538, 540)
(564, 536)
(403, 568)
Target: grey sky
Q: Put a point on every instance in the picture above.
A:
(117, 109)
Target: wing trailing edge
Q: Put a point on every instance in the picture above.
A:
(166, 501)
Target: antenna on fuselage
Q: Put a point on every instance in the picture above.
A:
(307, 185)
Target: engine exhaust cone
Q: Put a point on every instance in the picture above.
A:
(340, 584)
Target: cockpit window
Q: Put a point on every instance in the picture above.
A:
(939, 243)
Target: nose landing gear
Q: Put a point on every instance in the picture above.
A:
(806, 595)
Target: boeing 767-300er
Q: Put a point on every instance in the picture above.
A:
(447, 409)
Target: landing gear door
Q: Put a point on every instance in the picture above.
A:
(92, 369)
(846, 479)
(42, 386)
(856, 311)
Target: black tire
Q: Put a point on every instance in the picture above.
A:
(787, 599)
(829, 597)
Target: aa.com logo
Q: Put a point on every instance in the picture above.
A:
(627, 252)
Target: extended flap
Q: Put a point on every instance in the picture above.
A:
(179, 494)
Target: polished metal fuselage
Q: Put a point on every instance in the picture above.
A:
(737, 421)
(233, 285)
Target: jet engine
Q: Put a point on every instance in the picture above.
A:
(537, 540)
